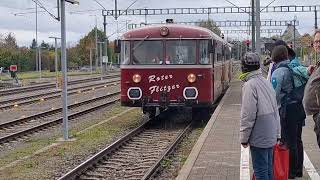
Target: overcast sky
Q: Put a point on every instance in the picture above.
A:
(23, 26)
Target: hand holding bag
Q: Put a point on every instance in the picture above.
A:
(280, 163)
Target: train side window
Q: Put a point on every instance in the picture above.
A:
(219, 50)
(125, 52)
(204, 52)
(228, 52)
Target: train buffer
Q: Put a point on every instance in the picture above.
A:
(218, 155)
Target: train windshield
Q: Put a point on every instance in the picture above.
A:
(181, 52)
(147, 52)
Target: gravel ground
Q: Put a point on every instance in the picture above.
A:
(27, 110)
(172, 165)
(54, 162)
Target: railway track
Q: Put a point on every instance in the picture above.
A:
(4, 86)
(19, 90)
(137, 155)
(24, 126)
(11, 103)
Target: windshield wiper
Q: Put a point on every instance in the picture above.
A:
(140, 42)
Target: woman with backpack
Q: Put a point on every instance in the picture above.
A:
(289, 99)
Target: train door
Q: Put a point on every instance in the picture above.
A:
(212, 51)
(223, 68)
(218, 70)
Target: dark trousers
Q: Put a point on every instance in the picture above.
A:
(291, 131)
(316, 119)
(262, 159)
(300, 152)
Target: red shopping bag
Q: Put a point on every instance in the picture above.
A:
(280, 163)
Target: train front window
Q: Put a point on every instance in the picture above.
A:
(147, 52)
(125, 52)
(204, 52)
(181, 52)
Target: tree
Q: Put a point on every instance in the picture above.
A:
(305, 46)
(45, 45)
(1, 41)
(33, 44)
(79, 55)
(10, 41)
(211, 25)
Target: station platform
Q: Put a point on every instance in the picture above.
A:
(218, 155)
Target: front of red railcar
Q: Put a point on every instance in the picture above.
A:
(167, 66)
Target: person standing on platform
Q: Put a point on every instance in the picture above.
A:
(311, 99)
(291, 110)
(260, 121)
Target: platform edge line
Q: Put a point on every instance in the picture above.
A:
(312, 172)
(245, 164)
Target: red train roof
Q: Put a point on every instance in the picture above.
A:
(175, 31)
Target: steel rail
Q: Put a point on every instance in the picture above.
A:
(48, 85)
(88, 164)
(53, 122)
(169, 151)
(100, 155)
(51, 95)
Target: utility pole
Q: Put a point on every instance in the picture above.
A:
(105, 39)
(116, 9)
(91, 61)
(258, 27)
(56, 58)
(37, 65)
(64, 71)
(294, 32)
(96, 38)
(315, 19)
(145, 16)
(100, 47)
(40, 63)
(253, 27)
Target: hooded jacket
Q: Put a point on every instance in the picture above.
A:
(260, 120)
(311, 99)
(299, 70)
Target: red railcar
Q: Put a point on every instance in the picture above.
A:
(173, 65)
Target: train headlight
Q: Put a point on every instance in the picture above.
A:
(136, 78)
(192, 78)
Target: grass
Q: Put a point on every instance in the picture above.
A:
(46, 164)
(44, 74)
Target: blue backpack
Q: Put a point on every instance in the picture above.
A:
(292, 101)
(297, 93)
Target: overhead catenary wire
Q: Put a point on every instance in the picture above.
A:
(267, 5)
(100, 4)
(129, 6)
(42, 7)
(24, 13)
(235, 5)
